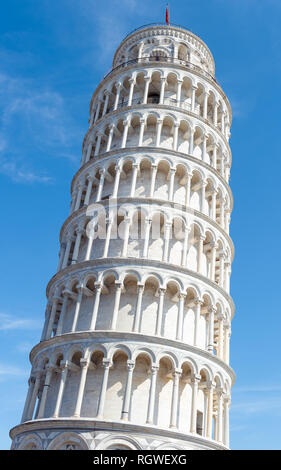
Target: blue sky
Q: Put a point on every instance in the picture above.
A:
(52, 57)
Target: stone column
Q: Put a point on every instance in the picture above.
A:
(203, 195)
(56, 298)
(221, 279)
(204, 145)
(118, 292)
(97, 110)
(151, 402)
(185, 246)
(146, 88)
(136, 326)
(160, 311)
(127, 222)
(134, 179)
(193, 88)
(213, 261)
(31, 383)
(77, 309)
(222, 212)
(67, 251)
(214, 204)
(167, 237)
(191, 142)
(126, 124)
(211, 329)
(118, 89)
(158, 131)
(64, 371)
(106, 364)
(97, 149)
(175, 398)
(62, 313)
(128, 391)
(153, 179)
(109, 223)
(89, 247)
(110, 136)
(107, 94)
(198, 304)
(171, 184)
(179, 85)
(148, 223)
(200, 252)
(188, 188)
(96, 306)
(46, 386)
(227, 334)
(216, 113)
(89, 151)
(132, 82)
(220, 416)
(220, 339)
(84, 370)
(34, 394)
(193, 420)
(226, 421)
(142, 124)
(182, 297)
(79, 234)
(101, 183)
(79, 195)
(176, 135)
(215, 156)
(205, 105)
(210, 392)
(116, 181)
(61, 256)
(162, 91)
(89, 190)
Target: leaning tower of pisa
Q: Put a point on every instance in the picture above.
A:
(134, 352)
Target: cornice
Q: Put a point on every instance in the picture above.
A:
(154, 108)
(161, 202)
(130, 151)
(146, 263)
(108, 335)
(96, 425)
(172, 66)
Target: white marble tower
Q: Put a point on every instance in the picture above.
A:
(134, 352)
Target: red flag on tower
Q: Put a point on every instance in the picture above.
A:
(167, 14)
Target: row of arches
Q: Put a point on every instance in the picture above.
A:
(140, 388)
(158, 131)
(158, 179)
(146, 306)
(178, 89)
(151, 234)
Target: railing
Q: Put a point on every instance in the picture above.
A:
(167, 101)
(169, 60)
(173, 25)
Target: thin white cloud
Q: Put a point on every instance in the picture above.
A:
(20, 175)
(10, 322)
(9, 371)
(32, 120)
(24, 347)
(258, 389)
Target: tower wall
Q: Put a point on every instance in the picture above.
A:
(135, 347)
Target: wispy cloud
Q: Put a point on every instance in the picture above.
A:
(258, 389)
(8, 372)
(24, 347)
(10, 322)
(33, 122)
